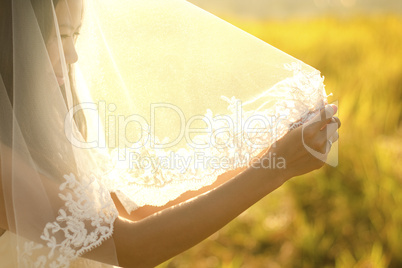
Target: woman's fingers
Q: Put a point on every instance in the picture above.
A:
(332, 127)
(321, 131)
(334, 137)
(307, 147)
(336, 120)
(325, 116)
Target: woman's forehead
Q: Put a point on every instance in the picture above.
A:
(69, 13)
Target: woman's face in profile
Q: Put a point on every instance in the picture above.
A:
(68, 14)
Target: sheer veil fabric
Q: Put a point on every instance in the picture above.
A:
(183, 96)
(165, 98)
(53, 201)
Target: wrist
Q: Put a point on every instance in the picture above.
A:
(271, 174)
(276, 164)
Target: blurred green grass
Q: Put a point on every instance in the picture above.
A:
(348, 216)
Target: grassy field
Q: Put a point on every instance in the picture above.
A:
(348, 216)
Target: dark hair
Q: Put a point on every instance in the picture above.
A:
(44, 14)
(6, 46)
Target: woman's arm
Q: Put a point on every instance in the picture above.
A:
(161, 236)
(146, 211)
(165, 234)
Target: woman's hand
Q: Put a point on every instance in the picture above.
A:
(306, 148)
(153, 240)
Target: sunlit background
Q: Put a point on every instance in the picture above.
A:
(351, 215)
(291, 9)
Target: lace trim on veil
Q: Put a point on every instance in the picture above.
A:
(288, 104)
(85, 222)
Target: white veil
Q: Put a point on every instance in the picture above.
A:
(171, 97)
(184, 96)
(53, 201)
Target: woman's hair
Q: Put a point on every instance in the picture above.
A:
(39, 147)
(44, 14)
(6, 46)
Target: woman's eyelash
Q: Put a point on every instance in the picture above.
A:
(66, 35)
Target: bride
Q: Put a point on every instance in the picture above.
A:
(66, 200)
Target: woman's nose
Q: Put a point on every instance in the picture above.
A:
(70, 53)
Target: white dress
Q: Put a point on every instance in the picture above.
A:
(8, 255)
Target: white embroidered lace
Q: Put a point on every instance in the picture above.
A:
(164, 50)
(78, 228)
(152, 176)
(169, 174)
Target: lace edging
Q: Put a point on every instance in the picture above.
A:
(87, 203)
(290, 103)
